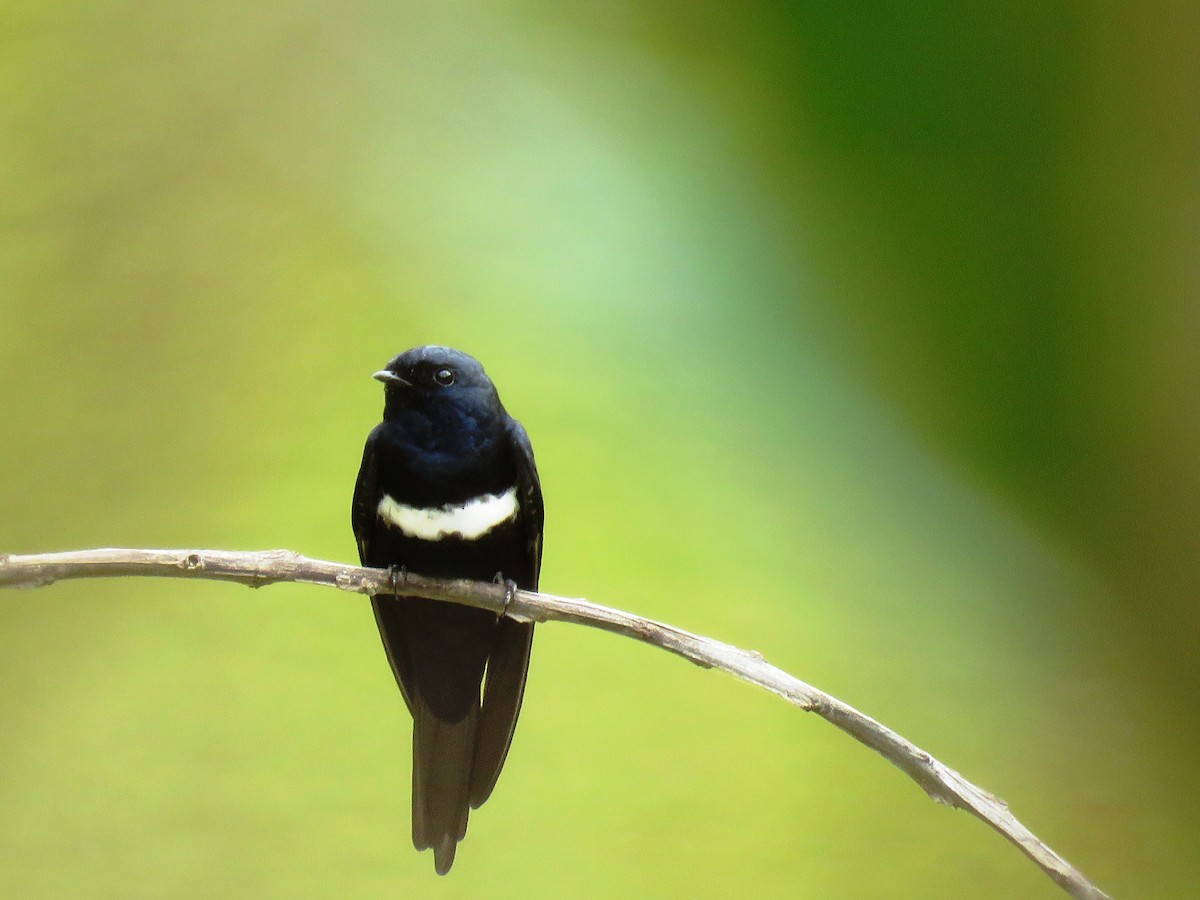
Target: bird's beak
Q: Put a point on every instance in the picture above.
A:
(389, 377)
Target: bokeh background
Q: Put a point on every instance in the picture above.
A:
(865, 339)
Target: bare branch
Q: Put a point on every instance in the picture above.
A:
(256, 569)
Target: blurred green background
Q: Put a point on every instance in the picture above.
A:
(866, 339)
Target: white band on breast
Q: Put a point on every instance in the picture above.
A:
(470, 520)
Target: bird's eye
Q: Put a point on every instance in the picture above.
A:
(444, 377)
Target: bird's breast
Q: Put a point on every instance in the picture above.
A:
(431, 480)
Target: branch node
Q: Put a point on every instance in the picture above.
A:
(355, 583)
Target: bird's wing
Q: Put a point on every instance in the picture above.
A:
(367, 495)
(529, 486)
(508, 662)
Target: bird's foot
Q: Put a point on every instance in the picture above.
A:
(397, 575)
(510, 589)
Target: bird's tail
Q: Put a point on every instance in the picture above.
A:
(442, 756)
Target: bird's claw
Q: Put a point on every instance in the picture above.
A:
(397, 575)
(510, 590)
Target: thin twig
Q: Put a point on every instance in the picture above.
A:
(256, 569)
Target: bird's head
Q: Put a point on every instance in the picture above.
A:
(434, 378)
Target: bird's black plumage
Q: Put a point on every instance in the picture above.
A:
(448, 487)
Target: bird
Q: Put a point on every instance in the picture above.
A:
(448, 488)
